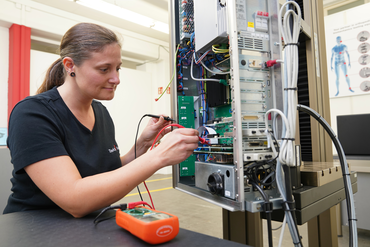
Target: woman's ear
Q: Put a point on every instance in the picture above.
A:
(68, 64)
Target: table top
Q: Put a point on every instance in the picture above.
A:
(57, 228)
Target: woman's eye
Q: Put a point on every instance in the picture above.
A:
(104, 70)
(118, 68)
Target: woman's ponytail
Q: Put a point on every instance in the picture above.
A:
(54, 77)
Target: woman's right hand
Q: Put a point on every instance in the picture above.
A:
(177, 146)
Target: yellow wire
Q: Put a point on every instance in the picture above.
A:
(217, 50)
(173, 75)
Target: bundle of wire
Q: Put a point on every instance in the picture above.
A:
(290, 29)
(215, 49)
(280, 178)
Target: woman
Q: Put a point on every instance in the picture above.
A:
(62, 141)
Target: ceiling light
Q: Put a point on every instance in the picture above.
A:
(125, 14)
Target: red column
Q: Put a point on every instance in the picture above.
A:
(19, 64)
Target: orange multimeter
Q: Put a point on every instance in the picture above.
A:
(152, 226)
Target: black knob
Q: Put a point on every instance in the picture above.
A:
(243, 62)
(215, 183)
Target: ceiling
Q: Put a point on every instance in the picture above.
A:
(155, 9)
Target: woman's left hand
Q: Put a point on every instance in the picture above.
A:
(152, 129)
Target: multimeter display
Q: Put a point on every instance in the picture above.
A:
(146, 215)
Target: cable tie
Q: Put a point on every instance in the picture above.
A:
(290, 88)
(268, 207)
(288, 139)
(353, 219)
(297, 44)
(290, 204)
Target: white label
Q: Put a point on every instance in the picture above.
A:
(184, 168)
(183, 107)
(183, 117)
(241, 14)
(250, 29)
(227, 193)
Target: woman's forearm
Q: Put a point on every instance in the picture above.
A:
(104, 189)
(141, 148)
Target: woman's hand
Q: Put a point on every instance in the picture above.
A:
(177, 146)
(151, 130)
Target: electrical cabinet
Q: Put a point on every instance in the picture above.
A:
(224, 89)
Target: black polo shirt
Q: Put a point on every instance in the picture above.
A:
(42, 127)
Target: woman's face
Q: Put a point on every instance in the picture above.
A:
(98, 77)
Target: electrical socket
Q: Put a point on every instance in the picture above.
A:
(255, 63)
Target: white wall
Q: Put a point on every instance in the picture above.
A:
(4, 71)
(160, 76)
(40, 62)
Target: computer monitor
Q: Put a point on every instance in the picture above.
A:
(354, 134)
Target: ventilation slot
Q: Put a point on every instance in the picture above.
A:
(250, 43)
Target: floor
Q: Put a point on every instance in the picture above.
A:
(200, 216)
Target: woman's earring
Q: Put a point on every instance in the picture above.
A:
(73, 74)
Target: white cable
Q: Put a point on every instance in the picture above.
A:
(286, 124)
(290, 36)
(279, 173)
(201, 57)
(291, 67)
(196, 79)
(282, 232)
(211, 71)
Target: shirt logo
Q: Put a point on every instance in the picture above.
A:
(114, 149)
